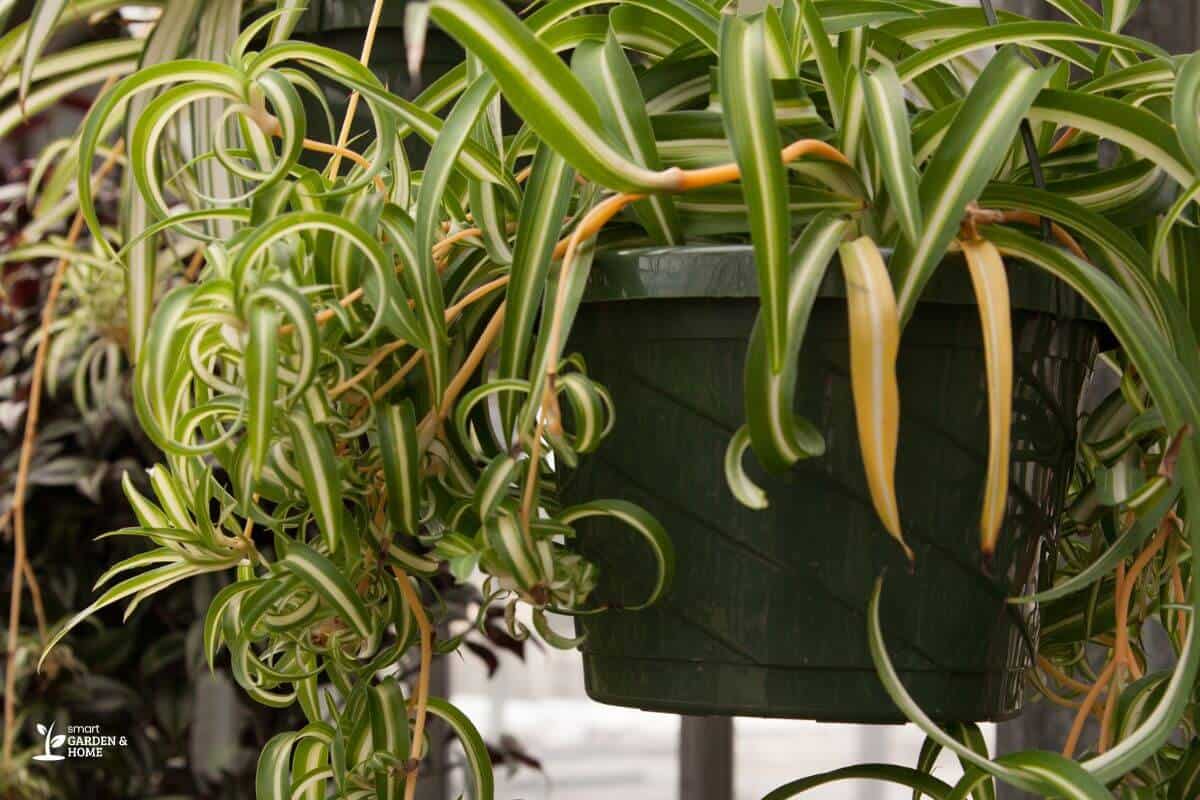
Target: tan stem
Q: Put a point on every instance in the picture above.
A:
(429, 424)
(378, 358)
(1065, 140)
(338, 151)
(727, 173)
(1060, 677)
(1180, 597)
(35, 594)
(25, 462)
(352, 104)
(193, 267)
(1086, 709)
(426, 635)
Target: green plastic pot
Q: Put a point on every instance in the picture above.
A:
(766, 615)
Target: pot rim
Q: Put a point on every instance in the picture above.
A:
(726, 271)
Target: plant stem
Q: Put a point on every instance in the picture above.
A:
(340, 150)
(352, 103)
(193, 267)
(1062, 678)
(426, 635)
(1085, 709)
(459, 381)
(380, 355)
(21, 566)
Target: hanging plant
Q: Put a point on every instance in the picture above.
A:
(363, 374)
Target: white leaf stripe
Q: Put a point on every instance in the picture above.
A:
(643, 523)
(510, 544)
(493, 484)
(990, 282)
(326, 580)
(271, 780)
(974, 146)
(888, 121)
(315, 460)
(262, 374)
(478, 761)
(401, 464)
(744, 489)
(224, 601)
(874, 345)
(750, 123)
(42, 21)
(152, 581)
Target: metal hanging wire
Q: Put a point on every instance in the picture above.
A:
(1031, 151)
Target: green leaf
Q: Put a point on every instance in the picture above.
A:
(890, 135)
(479, 764)
(553, 637)
(611, 81)
(319, 574)
(1037, 35)
(1045, 774)
(1185, 109)
(547, 197)
(442, 158)
(749, 117)
(493, 485)
(642, 523)
(1118, 12)
(973, 149)
(154, 580)
(140, 273)
(1140, 130)
(313, 453)
(262, 356)
(225, 601)
(304, 332)
(1186, 783)
(745, 490)
(511, 544)
(919, 782)
(311, 755)
(272, 779)
(401, 464)
(389, 732)
(1129, 542)
(778, 436)
(42, 22)
(544, 93)
(830, 65)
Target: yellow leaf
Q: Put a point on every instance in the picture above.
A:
(874, 343)
(991, 293)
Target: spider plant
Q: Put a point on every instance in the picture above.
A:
(363, 378)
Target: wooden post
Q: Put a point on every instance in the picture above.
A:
(706, 758)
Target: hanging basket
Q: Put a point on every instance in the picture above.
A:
(766, 616)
